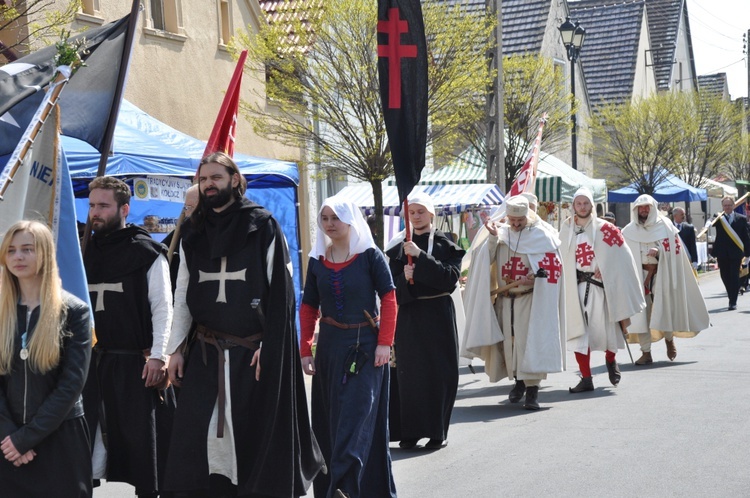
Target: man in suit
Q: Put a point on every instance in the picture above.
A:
(731, 244)
(687, 234)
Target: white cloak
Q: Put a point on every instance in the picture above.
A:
(678, 304)
(483, 335)
(620, 275)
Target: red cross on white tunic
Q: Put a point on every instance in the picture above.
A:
(677, 245)
(552, 264)
(515, 269)
(612, 235)
(584, 254)
(665, 243)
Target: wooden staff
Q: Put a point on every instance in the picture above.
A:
(739, 201)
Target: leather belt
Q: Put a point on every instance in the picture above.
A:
(222, 341)
(435, 296)
(588, 277)
(138, 352)
(345, 326)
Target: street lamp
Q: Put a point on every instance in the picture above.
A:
(572, 37)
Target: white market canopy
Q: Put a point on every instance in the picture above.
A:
(447, 198)
(556, 181)
(718, 189)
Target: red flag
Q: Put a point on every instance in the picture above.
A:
(526, 179)
(222, 136)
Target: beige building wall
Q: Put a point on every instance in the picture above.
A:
(179, 74)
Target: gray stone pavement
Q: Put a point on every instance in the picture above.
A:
(678, 428)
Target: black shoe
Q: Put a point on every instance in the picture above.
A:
(614, 373)
(586, 384)
(436, 444)
(517, 392)
(531, 394)
(407, 444)
(732, 307)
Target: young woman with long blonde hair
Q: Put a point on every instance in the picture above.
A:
(45, 347)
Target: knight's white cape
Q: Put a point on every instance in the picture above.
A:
(620, 275)
(678, 304)
(483, 336)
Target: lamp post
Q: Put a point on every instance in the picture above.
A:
(572, 37)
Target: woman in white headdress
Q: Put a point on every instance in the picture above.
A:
(346, 273)
(427, 338)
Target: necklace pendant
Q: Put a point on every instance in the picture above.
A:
(24, 354)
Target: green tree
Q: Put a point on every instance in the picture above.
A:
(532, 87)
(688, 134)
(738, 164)
(29, 24)
(322, 84)
(709, 136)
(640, 139)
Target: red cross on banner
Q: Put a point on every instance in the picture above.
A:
(612, 235)
(402, 71)
(584, 254)
(514, 269)
(395, 51)
(665, 243)
(551, 263)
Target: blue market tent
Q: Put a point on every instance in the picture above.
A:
(147, 149)
(670, 189)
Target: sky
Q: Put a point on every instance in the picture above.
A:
(716, 28)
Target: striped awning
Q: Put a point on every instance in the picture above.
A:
(556, 180)
(447, 198)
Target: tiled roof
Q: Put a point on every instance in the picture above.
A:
(663, 23)
(524, 22)
(610, 49)
(288, 11)
(713, 83)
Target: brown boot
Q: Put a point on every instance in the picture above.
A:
(645, 359)
(671, 350)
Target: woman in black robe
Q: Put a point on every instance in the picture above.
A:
(426, 343)
(45, 347)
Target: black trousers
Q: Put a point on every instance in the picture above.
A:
(729, 269)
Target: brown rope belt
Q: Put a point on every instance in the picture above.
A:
(514, 295)
(222, 341)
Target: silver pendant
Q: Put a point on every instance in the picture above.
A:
(24, 354)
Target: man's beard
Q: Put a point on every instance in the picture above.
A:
(642, 219)
(221, 198)
(584, 216)
(109, 226)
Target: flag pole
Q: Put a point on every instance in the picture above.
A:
(109, 129)
(60, 81)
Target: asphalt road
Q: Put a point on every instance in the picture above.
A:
(678, 428)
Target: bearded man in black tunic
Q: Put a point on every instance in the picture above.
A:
(426, 342)
(238, 430)
(128, 277)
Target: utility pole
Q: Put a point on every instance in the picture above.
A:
(495, 121)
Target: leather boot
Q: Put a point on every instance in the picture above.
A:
(586, 384)
(613, 369)
(517, 392)
(531, 394)
(671, 350)
(645, 359)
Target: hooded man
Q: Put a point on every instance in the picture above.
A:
(674, 304)
(605, 293)
(426, 334)
(523, 338)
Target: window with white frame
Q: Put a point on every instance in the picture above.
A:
(165, 15)
(225, 22)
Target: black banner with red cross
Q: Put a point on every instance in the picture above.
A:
(402, 67)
